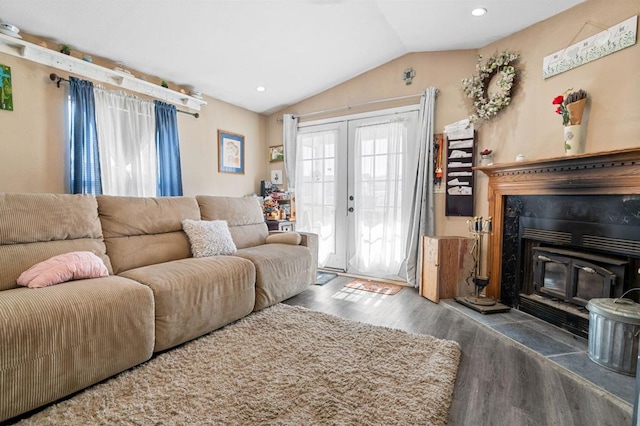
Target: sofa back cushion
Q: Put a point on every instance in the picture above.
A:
(36, 227)
(243, 215)
(144, 231)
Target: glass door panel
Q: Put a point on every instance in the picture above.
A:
(321, 190)
(383, 158)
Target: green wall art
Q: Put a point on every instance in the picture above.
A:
(604, 43)
(6, 94)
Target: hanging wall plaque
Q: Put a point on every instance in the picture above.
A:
(6, 94)
(595, 47)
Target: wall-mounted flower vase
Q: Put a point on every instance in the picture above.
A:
(573, 140)
(486, 159)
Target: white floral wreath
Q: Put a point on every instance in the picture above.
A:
(487, 105)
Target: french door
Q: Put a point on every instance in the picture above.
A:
(354, 187)
(321, 190)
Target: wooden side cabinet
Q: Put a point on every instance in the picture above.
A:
(446, 264)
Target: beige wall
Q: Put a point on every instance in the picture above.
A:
(199, 150)
(32, 139)
(443, 70)
(529, 125)
(32, 136)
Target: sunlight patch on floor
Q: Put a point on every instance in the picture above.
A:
(359, 296)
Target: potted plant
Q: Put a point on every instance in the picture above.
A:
(65, 48)
(164, 84)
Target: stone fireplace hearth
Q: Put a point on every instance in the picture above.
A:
(587, 207)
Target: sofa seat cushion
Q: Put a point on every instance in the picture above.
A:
(57, 340)
(282, 271)
(197, 295)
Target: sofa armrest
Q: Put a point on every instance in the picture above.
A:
(311, 240)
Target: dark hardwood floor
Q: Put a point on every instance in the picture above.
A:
(499, 382)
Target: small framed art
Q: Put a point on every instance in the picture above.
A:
(230, 152)
(6, 94)
(276, 177)
(276, 153)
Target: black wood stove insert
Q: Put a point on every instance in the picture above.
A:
(561, 251)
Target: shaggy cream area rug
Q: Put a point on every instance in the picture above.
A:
(284, 365)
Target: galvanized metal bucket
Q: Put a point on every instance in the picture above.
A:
(614, 325)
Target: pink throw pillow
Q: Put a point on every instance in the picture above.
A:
(75, 265)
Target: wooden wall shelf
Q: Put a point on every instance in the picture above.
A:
(612, 172)
(42, 55)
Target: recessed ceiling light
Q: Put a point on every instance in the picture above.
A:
(261, 89)
(478, 11)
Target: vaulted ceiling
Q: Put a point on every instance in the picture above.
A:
(293, 48)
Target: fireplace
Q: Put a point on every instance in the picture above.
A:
(565, 230)
(576, 277)
(560, 264)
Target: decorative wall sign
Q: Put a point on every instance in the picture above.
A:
(602, 44)
(6, 93)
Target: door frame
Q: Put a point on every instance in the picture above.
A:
(344, 204)
(370, 114)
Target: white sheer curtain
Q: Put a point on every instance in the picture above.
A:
(290, 140)
(316, 178)
(385, 162)
(422, 221)
(126, 139)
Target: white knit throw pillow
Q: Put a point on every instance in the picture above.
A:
(209, 237)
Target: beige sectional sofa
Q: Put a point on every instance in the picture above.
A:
(57, 340)
(274, 263)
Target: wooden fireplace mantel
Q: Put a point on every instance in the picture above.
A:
(612, 172)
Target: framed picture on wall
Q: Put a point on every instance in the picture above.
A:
(276, 153)
(6, 94)
(276, 177)
(230, 152)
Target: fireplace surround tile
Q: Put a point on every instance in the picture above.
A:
(614, 383)
(566, 350)
(495, 320)
(563, 336)
(533, 339)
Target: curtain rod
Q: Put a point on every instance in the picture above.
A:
(356, 105)
(55, 77)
